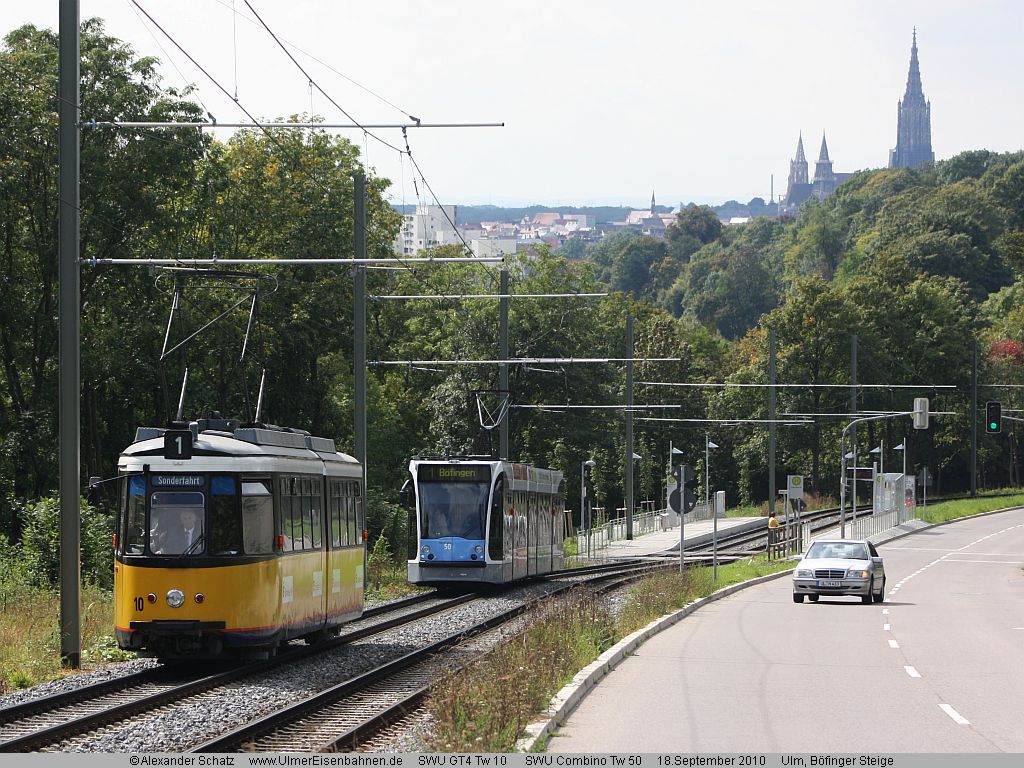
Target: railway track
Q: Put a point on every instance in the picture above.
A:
(353, 713)
(59, 721)
(40, 723)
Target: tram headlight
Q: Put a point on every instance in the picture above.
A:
(175, 598)
(425, 549)
(478, 549)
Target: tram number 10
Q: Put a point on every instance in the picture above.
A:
(140, 603)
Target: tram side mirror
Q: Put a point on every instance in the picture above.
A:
(405, 496)
(93, 494)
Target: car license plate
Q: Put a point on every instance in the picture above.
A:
(831, 583)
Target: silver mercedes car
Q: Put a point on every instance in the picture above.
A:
(840, 567)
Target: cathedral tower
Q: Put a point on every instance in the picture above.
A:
(914, 121)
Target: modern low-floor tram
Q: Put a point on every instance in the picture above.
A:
(480, 521)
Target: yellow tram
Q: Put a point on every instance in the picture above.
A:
(232, 539)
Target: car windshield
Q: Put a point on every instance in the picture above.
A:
(838, 550)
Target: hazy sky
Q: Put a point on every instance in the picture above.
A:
(602, 102)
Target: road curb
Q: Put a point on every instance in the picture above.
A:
(567, 699)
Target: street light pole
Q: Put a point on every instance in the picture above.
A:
(708, 445)
(584, 512)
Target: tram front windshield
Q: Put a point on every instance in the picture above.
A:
(453, 509)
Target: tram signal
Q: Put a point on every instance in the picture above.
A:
(993, 417)
(682, 500)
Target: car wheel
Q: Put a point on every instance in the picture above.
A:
(797, 598)
(813, 598)
(866, 597)
(881, 593)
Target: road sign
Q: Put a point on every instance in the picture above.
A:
(686, 501)
(689, 500)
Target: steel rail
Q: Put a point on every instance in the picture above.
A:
(57, 733)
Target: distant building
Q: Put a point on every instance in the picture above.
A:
(429, 226)
(650, 222)
(799, 190)
(913, 121)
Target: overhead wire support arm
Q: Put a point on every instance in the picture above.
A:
(288, 262)
(202, 124)
(800, 386)
(528, 361)
(496, 296)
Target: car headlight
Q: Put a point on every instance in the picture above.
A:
(175, 598)
(857, 573)
(804, 573)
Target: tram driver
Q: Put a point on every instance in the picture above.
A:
(182, 536)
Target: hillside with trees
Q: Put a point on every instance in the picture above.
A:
(921, 266)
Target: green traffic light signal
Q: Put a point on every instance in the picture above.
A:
(993, 417)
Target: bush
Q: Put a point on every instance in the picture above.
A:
(40, 544)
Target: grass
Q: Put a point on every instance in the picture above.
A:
(952, 510)
(486, 707)
(761, 510)
(30, 633)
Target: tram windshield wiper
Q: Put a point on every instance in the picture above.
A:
(194, 546)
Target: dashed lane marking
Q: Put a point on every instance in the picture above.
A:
(893, 644)
(912, 672)
(957, 717)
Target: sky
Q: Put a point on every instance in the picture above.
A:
(602, 102)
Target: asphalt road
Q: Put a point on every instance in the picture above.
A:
(937, 667)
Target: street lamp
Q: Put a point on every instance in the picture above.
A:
(708, 445)
(902, 448)
(583, 498)
(851, 456)
(672, 453)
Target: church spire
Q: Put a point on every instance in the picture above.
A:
(914, 120)
(823, 168)
(800, 158)
(915, 92)
(652, 201)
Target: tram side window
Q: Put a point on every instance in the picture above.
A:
(257, 517)
(285, 506)
(134, 535)
(355, 510)
(315, 513)
(225, 519)
(334, 508)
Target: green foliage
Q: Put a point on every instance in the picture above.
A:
(40, 544)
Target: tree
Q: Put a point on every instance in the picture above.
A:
(697, 221)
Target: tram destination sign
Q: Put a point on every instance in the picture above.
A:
(177, 481)
(454, 473)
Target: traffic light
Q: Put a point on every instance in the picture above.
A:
(993, 417)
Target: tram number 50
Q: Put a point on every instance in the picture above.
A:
(140, 603)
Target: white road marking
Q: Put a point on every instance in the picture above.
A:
(885, 627)
(893, 644)
(957, 717)
(885, 611)
(912, 672)
(950, 553)
(990, 562)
